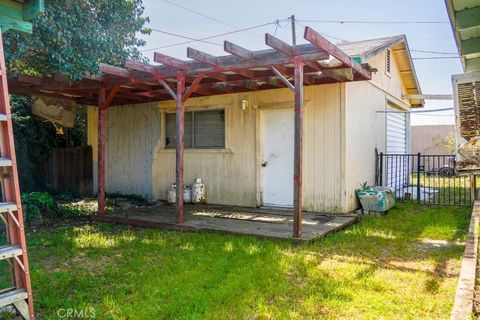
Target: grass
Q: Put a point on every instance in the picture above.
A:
(380, 268)
(450, 191)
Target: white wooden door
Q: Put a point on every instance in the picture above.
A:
(277, 162)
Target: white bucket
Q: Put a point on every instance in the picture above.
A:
(187, 194)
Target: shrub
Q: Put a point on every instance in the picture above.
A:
(38, 205)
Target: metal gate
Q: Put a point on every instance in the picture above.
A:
(429, 179)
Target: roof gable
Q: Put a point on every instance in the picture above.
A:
(367, 49)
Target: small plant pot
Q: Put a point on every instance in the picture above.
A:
(378, 199)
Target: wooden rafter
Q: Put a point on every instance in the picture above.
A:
(236, 72)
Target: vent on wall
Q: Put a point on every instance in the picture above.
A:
(388, 60)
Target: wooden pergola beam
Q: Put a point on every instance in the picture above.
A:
(279, 45)
(202, 56)
(169, 61)
(168, 89)
(192, 88)
(322, 43)
(238, 51)
(282, 78)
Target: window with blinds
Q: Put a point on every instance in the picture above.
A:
(203, 129)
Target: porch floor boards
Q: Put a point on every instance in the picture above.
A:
(261, 222)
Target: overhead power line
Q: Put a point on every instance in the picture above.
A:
(206, 16)
(435, 58)
(436, 52)
(416, 111)
(183, 37)
(324, 34)
(373, 22)
(205, 39)
(200, 14)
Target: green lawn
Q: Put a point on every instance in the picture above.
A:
(381, 268)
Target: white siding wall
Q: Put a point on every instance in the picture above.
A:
(342, 130)
(131, 137)
(232, 175)
(366, 128)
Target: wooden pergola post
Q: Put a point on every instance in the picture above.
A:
(180, 145)
(103, 104)
(241, 71)
(101, 151)
(298, 149)
(180, 97)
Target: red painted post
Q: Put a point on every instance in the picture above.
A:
(298, 149)
(101, 151)
(180, 143)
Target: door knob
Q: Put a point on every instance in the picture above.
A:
(264, 163)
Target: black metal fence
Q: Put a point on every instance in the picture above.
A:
(429, 179)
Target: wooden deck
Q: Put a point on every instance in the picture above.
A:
(263, 222)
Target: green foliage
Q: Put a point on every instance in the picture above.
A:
(364, 185)
(77, 209)
(34, 138)
(38, 204)
(44, 205)
(73, 37)
(450, 143)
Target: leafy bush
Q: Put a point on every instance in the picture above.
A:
(38, 205)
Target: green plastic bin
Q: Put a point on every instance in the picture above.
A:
(378, 199)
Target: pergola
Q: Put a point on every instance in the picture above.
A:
(317, 62)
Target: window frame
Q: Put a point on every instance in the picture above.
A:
(193, 111)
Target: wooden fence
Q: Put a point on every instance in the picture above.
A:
(70, 169)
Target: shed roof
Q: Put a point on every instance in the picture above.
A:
(367, 49)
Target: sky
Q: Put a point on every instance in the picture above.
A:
(214, 17)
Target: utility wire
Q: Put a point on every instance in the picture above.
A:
(206, 16)
(200, 14)
(204, 39)
(324, 34)
(373, 22)
(435, 58)
(428, 51)
(417, 111)
(184, 37)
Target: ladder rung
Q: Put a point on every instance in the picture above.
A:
(7, 206)
(8, 252)
(5, 162)
(3, 117)
(11, 297)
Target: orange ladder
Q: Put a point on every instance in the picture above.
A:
(19, 295)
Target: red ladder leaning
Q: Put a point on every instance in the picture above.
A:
(20, 294)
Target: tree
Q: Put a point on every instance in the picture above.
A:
(450, 142)
(72, 37)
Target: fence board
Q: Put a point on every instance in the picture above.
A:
(70, 169)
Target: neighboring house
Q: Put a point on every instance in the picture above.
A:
(432, 139)
(241, 144)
